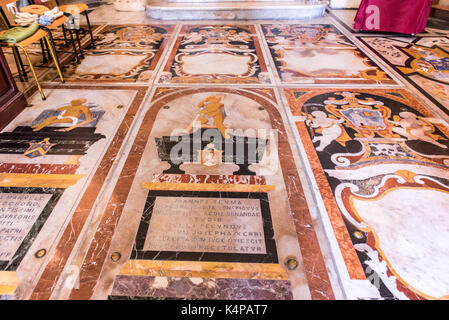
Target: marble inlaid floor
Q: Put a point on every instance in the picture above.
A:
(231, 160)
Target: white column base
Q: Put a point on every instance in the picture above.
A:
(232, 10)
(344, 4)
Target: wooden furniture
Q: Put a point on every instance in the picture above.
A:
(79, 8)
(73, 9)
(56, 24)
(36, 37)
(39, 36)
(12, 101)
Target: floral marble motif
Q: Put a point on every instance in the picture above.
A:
(319, 53)
(423, 61)
(123, 53)
(216, 54)
(378, 157)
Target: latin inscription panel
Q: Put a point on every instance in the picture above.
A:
(222, 225)
(18, 213)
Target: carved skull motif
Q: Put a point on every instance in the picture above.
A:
(390, 150)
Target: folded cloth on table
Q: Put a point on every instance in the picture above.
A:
(25, 19)
(18, 34)
(45, 20)
(55, 13)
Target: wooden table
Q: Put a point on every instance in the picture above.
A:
(12, 101)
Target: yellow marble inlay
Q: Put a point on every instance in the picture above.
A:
(7, 289)
(38, 180)
(204, 269)
(208, 187)
(8, 282)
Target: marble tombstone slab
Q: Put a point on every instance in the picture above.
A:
(208, 195)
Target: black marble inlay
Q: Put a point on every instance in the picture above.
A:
(354, 146)
(270, 244)
(242, 151)
(12, 264)
(381, 150)
(74, 142)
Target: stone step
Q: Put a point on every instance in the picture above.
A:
(236, 10)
